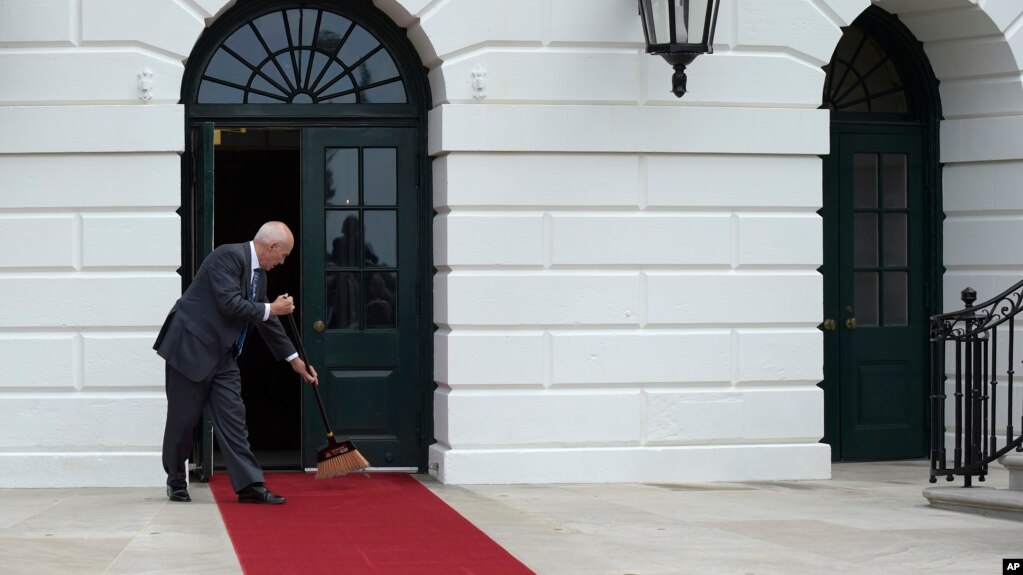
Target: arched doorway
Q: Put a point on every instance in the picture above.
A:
(314, 113)
(881, 214)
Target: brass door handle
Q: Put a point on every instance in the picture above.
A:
(829, 325)
(318, 326)
(850, 323)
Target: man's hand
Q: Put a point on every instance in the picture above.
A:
(283, 305)
(299, 367)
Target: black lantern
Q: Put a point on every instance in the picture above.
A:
(679, 30)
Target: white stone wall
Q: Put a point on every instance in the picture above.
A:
(626, 287)
(90, 178)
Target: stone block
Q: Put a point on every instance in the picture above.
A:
(970, 241)
(791, 239)
(722, 299)
(535, 419)
(499, 180)
(657, 464)
(82, 469)
(536, 299)
(142, 240)
(773, 355)
(962, 99)
(973, 22)
(80, 77)
(83, 181)
(52, 239)
(163, 24)
(122, 360)
(73, 129)
(648, 239)
(27, 22)
(96, 422)
(749, 79)
(595, 22)
(634, 358)
(796, 25)
(981, 139)
(126, 299)
(489, 358)
(628, 129)
(972, 57)
(458, 25)
(733, 182)
(581, 75)
(474, 239)
(38, 360)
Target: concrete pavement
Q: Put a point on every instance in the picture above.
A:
(869, 518)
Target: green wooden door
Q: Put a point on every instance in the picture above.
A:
(876, 274)
(360, 305)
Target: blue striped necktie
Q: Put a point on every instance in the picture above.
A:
(240, 344)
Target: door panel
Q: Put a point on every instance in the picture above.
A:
(875, 290)
(360, 288)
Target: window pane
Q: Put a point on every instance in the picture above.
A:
(342, 300)
(224, 66)
(271, 28)
(866, 298)
(213, 93)
(342, 177)
(245, 43)
(393, 93)
(896, 250)
(381, 312)
(865, 240)
(893, 166)
(865, 180)
(359, 43)
(332, 29)
(380, 166)
(378, 68)
(381, 239)
(329, 89)
(343, 242)
(896, 301)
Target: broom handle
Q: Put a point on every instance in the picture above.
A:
(316, 390)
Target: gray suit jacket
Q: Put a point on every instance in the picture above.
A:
(205, 322)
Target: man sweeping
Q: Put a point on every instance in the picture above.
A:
(200, 340)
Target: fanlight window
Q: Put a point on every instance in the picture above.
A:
(862, 78)
(301, 56)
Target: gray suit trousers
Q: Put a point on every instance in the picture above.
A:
(185, 401)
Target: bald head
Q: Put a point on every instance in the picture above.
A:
(273, 243)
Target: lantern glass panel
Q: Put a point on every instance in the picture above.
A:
(690, 21)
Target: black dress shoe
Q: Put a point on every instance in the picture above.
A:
(259, 494)
(178, 494)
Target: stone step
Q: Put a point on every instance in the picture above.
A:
(1003, 503)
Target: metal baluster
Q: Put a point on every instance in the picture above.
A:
(936, 404)
(993, 431)
(1008, 420)
(982, 403)
(957, 460)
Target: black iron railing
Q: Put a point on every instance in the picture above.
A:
(967, 341)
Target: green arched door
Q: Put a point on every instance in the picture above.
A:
(314, 113)
(880, 272)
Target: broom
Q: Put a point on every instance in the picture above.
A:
(336, 458)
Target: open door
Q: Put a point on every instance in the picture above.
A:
(197, 227)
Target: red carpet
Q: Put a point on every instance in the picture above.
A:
(360, 523)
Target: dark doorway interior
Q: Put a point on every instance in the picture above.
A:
(257, 179)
